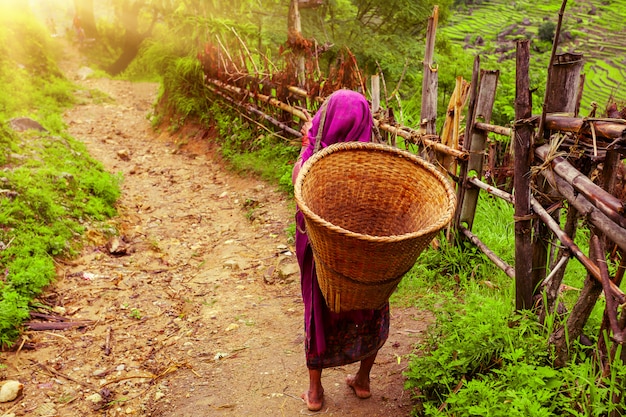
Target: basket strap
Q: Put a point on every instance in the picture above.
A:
(303, 231)
(320, 128)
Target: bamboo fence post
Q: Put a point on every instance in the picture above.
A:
(429, 82)
(451, 127)
(467, 141)
(561, 97)
(562, 92)
(375, 92)
(611, 129)
(609, 177)
(579, 96)
(484, 106)
(524, 285)
(555, 43)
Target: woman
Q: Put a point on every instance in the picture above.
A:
(335, 339)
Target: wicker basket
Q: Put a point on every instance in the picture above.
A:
(370, 210)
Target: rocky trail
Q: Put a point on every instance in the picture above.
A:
(194, 310)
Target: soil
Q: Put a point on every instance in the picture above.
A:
(194, 309)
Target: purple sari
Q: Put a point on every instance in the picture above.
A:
(335, 339)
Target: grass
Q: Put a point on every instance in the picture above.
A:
(52, 191)
(481, 356)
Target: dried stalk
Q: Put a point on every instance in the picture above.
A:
(256, 70)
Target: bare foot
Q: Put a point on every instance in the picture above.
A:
(313, 403)
(361, 390)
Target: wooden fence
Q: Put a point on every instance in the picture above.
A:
(555, 154)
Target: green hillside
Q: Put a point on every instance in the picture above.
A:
(593, 28)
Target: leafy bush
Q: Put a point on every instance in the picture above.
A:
(261, 153)
(546, 31)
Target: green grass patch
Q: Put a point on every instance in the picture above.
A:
(483, 358)
(51, 190)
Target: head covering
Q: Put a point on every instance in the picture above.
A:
(345, 116)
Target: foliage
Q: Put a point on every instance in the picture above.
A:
(483, 358)
(32, 84)
(184, 95)
(52, 190)
(377, 32)
(260, 153)
(584, 30)
(546, 31)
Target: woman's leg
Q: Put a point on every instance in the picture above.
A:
(314, 397)
(360, 382)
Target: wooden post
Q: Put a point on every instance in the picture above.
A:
(484, 107)
(430, 81)
(467, 141)
(562, 92)
(524, 285)
(562, 96)
(375, 93)
(555, 43)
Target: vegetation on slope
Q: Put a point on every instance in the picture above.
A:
(594, 29)
(51, 189)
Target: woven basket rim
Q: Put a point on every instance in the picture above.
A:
(380, 147)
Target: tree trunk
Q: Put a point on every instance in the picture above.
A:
(294, 31)
(132, 39)
(130, 51)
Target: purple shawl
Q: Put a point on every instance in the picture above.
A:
(344, 116)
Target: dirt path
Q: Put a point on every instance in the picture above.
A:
(200, 315)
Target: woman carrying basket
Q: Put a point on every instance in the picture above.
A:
(335, 339)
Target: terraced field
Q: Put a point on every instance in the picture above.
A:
(596, 29)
